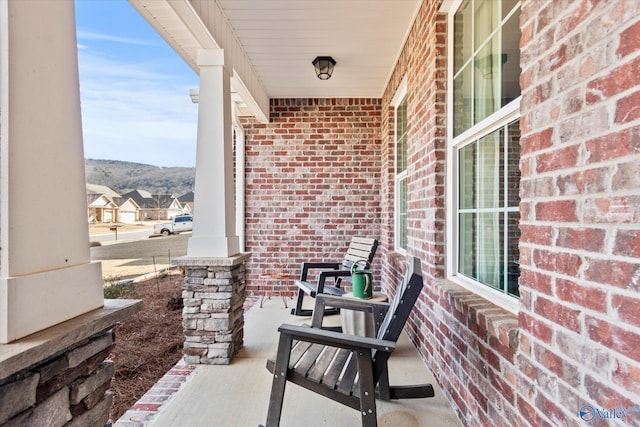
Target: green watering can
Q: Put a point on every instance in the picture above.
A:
(362, 280)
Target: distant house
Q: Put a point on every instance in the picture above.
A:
(102, 189)
(100, 208)
(155, 206)
(128, 210)
(186, 200)
(140, 196)
(105, 205)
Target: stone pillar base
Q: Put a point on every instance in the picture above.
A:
(59, 376)
(213, 318)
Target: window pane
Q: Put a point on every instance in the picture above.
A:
(485, 78)
(467, 167)
(401, 180)
(513, 164)
(488, 64)
(486, 53)
(513, 254)
(462, 100)
(487, 19)
(490, 178)
(401, 137)
(401, 119)
(463, 30)
(402, 214)
(489, 245)
(480, 254)
(511, 55)
(466, 244)
(488, 230)
(480, 247)
(508, 5)
(401, 159)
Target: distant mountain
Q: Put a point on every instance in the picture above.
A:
(125, 176)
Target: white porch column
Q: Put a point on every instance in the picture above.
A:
(214, 229)
(46, 273)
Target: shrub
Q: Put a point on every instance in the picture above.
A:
(116, 288)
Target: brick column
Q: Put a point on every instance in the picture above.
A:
(213, 317)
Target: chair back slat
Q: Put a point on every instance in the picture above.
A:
(361, 248)
(403, 303)
(369, 241)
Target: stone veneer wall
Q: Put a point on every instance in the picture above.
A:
(59, 376)
(213, 317)
(69, 389)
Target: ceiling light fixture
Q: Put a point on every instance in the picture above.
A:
(324, 67)
(195, 95)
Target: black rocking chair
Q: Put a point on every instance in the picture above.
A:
(348, 369)
(332, 273)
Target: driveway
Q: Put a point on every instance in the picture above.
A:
(128, 259)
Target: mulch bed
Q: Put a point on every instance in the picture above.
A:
(149, 343)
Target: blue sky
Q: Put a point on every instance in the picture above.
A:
(134, 89)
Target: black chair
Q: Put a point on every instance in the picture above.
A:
(346, 368)
(361, 248)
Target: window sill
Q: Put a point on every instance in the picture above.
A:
(487, 320)
(397, 259)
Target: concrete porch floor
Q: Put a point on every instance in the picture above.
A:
(238, 394)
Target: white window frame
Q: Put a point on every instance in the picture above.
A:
(500, 118)
(400, 95)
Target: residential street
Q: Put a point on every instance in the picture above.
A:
(126, 259)
(100, 231)
(122, 235)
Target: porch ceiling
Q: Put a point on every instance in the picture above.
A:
(280, 38)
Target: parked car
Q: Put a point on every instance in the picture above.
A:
(179, 224)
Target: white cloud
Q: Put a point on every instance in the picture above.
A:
(91, 35)
(135, 111)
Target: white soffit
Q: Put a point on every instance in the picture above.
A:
(282, 37)
(187, 31)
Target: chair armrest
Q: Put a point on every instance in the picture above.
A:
(321, 264)
(335, 339)
(335, 273)
(377, 309)
(306, 266)
(324, 275)
(325, 300)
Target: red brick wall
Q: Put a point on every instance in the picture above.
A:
(322, 170)
(468, 343)
(312, 182)
(424, 67)
(576, 339)
(580, 307)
